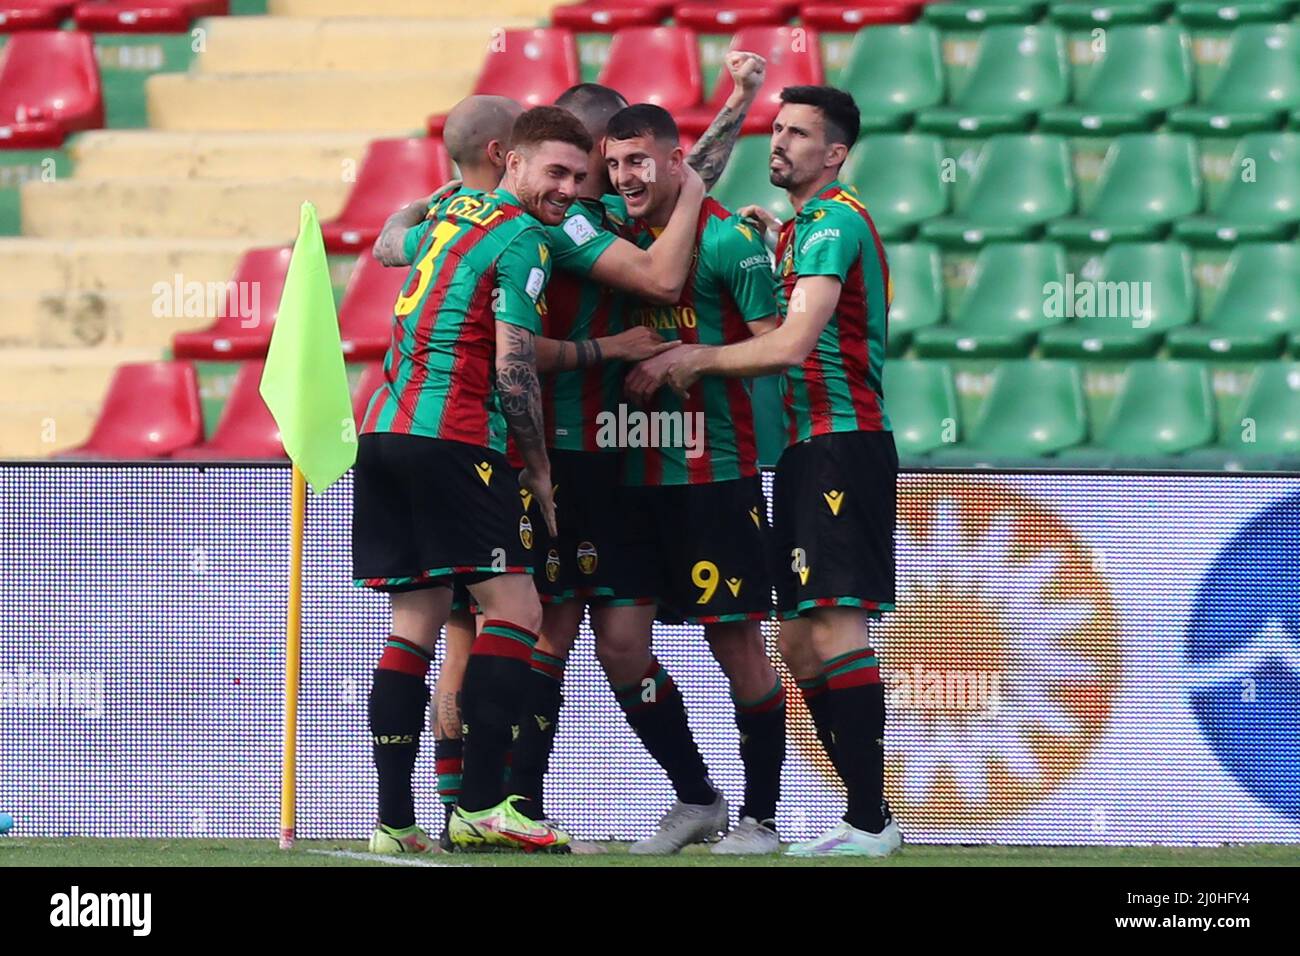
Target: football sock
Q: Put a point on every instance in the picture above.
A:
(531, 754)
(761, 724)
(447, 757)
(398, 697)
(857, 706)
(654, 709)
(494, 681)
(814, 696)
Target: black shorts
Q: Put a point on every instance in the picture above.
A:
(833, 509)
(701, 551)
(427, 512)
(586, 562)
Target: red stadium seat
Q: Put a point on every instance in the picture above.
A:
(258, 281)
(531, 66)
(851, 17)
(366, 314)
(151, 410)
(246, 428)
(731, 15)
(49, 86)
(393, 173)
(18, 15)
(371, 379)
(605, 16)
(659, 65)
(146, 16)
(793, 59)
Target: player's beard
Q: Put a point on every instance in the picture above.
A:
(537, 203)
(783, 177)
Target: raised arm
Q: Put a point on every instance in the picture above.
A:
(711, 151)
(388, 248)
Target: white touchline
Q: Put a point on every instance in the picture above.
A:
(377, 858)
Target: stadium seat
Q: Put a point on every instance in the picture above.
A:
(793, 59)
(371, 378)
(922, 405)
(1269, 415)
(892, 72)
(1147, 181)
(842, 16)
(531, 66)
(16, 15)
(1260, 80)
(366, 312)
(393, 173)
(1004, 305)
(602, 16)
(898, 177)
(745, 180)
(146, 16)
(1034, 408)
(1019, 183)
(725, 16)
(659, 65)
(1164, 407)
(235, 336)
(1261, 201)
(1146, 69)
(151, 410)
(49, 87)
(1018, 70)
(916, 278)
(1109, 13)
(1256, 308)
(1162, 271)
(246, 428)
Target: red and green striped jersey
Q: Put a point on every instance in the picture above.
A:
(445, 193)
(729, 285)
(578, 308)
(483, 260)
(838, 387)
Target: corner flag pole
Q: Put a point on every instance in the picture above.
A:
(292, 667)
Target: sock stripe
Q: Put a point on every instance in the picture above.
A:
(774, 699)
(548, 664)
(633, 697)
(403, 656)
(812, 687)
(503, 639)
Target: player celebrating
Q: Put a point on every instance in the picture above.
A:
(465, 325)
(834, 499)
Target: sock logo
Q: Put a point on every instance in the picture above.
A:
(390, 739)
(733, 585)
(484, 469)
(552, 565)
(514, 731)
(526, 532)
(587, 557)
(833, 500)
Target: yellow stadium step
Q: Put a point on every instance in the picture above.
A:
(89, 319)
(197, 208)
(129, 154)
(537, 10)
(376, 44)
(394, 102)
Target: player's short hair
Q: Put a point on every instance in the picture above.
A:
(593, 104)
(839, 112)
(643, 119)
(547, 124)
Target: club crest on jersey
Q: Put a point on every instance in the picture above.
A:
(733, 585)
(526, 532)
(552, 565)
(484, 470)
(587, 557)
(834, 499)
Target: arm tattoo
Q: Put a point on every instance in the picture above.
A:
(589, 352)
(521, 392)
(711, 151)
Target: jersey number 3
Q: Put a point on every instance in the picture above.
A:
(443, 233)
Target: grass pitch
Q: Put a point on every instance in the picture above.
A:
(80, 852)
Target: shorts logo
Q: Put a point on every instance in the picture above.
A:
(587, 557)
(833, 500)
(527, 497)
(753, 513)
(484, 470)
(526, 532)
(733, 585)
(542, 723)
(552, 565)
(799, 564)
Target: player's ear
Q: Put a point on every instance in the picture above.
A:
(496, 153)
(836, 153)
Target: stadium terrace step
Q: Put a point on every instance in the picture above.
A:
(198, 208)
(375, 44)
(95, 319)
(67, 267)
(392, 102)
(115, 154)
(537, 10)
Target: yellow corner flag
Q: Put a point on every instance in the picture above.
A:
(305, 384)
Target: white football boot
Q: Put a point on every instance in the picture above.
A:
(749, 838)
(684, 824)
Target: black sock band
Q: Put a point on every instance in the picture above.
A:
(761, 724)
(654, 709)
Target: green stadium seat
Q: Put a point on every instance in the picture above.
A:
(1267, 423)
(1257, 307)
(1164, 407)
(1147, 181)
(916, 278)
(1018, 70)
(1163, 273)
(973, 14)
(746, 181)
(1034, 408)
(1113, 13)
(897, 176)
(1019, 183)
(1261, 202)
(1146, 69)
(1004, 307)
(1260, 82)
(892, 72)
(922, 405)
